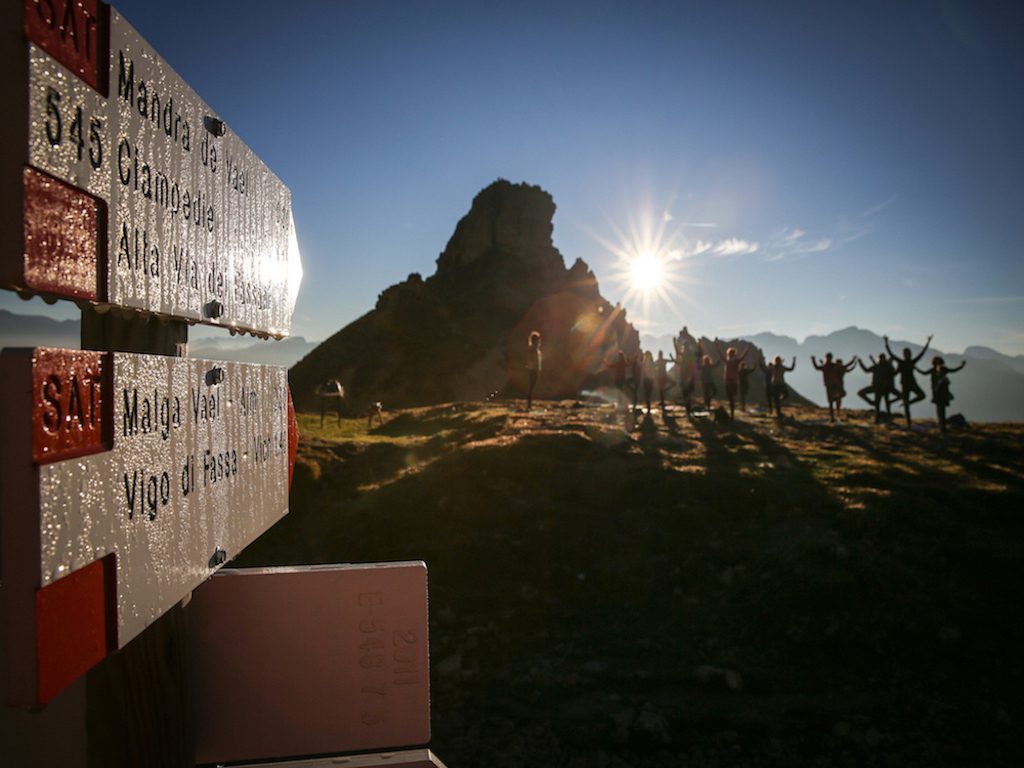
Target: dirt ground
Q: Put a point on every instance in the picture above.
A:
(689, 593)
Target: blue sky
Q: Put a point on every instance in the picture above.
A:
(812, 164)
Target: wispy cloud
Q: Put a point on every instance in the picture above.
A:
(687, 249)
(734, 246)
(876, 209)
(818, 246)
(850, 234)
(794, 243)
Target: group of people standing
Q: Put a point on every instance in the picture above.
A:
(892, 378)
(696, 366)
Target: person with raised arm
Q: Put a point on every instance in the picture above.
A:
(732, 362)
(775, 372)
(706, 369)
(941, 396)
(841, 371)
(833, 372)
(880, 387)
(910, 391)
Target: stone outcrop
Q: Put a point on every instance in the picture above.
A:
(461, 334)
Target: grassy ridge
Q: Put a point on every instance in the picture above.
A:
(689, 593)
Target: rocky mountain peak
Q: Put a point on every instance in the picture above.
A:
(461, 333)
(505, 220)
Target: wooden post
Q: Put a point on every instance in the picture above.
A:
(113, 331)
(54, 735)
(138, 701)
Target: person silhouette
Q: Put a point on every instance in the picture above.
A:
(686, 362)
(910, 391)
(775, 372)
(763, 365)
(705, 369)
(619, 367)
(941, 395)
(649, 372)
(880, 387)
(662, 377)
(744, 374)
(732, 363)
(833, 372)
(828, 378)
(636, 371)
(534, 358)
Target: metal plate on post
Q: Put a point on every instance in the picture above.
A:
(310, 660)
(168, 466)
(192, 224)
(62, 248)
(74, 33)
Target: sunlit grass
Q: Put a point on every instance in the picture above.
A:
(349, 431)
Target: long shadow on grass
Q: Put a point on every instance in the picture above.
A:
(578, 583)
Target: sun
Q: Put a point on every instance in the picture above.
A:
(648, 265)
(646, 272)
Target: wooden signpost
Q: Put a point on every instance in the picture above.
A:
(128, 480)
(135, 193)
(130, 474)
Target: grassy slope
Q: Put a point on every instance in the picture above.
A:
(693, 594)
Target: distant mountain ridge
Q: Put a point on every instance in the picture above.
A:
(990, 388)
(18, 330)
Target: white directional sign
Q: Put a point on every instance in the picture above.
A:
(188, 222)
(128, 480)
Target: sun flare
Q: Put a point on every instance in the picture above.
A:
(650, 267)
(646, 272)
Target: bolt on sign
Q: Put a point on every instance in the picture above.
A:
(134, 192)
(310, 660)
(128, 480)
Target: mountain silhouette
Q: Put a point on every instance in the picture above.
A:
(461, 334)
(17, 330)
(989, 389)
